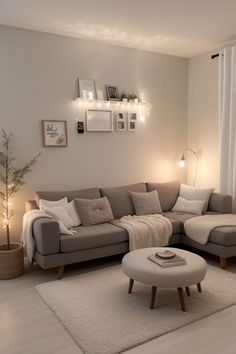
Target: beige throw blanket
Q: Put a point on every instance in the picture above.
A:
(146, 231)
(199, 228)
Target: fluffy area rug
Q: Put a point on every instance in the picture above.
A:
(103, 318)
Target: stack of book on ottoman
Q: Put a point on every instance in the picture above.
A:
(167, 259)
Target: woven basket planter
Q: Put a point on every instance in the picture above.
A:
(11, 261)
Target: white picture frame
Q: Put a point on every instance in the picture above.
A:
(87, 89)
(99, 120)
(121, 121)
(132, 121)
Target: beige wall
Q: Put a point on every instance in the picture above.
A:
(203, 134)
(38, 74)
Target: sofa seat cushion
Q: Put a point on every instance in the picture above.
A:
(180, 217)
(92, 236)
(224, 235)
(175, 224)
(120, 198)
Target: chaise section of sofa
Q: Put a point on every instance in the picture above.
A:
(91, 242)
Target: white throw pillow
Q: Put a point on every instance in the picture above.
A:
(189, 206)
(146, 203)
(64, 230)
(195, 193)
(71, 209)
(60, 214)
(51, 203)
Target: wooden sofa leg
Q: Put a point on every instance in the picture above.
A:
(223, 262)
(60, 272)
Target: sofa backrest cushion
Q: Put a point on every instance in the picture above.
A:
(91, 193)
(168, 193)
(120, 198)
(220, 203)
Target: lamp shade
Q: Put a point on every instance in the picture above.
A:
(182, 161)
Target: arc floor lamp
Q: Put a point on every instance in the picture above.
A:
(183, 161)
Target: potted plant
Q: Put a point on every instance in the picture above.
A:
(132, 97)
(11, 178)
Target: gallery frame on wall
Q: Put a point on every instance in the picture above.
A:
(132, 121)
(99, 120)
(112, 93)
(121, 121)
(54, 133)
(87, 89)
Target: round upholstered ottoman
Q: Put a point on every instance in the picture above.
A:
(138, 267)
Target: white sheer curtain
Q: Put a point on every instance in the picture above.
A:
(227, 123)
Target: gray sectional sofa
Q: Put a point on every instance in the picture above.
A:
(91, 242)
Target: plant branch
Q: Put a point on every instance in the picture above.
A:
(12, 179)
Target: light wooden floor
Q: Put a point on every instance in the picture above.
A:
(28, 326)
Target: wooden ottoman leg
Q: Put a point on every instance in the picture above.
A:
(187, 290)
(199, 288)
(181, 299)
(223, 262)
(131, 283)
(153, 296)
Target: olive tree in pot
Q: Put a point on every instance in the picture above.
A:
(11, 179)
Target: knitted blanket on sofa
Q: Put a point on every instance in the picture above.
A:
(146, 230)
(199, 228)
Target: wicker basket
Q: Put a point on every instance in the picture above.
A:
(11, 261)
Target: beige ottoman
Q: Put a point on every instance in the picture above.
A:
(138, 267)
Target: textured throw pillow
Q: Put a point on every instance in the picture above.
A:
(71, 209)
(189, 206)
(146, 203)
(194, 193)
(94, 211)
(51, 203)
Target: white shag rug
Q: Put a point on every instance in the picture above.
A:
(103, 318)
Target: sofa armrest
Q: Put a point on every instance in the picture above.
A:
(220, 203)
(46, 236)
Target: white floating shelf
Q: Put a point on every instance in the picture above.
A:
(143, 108)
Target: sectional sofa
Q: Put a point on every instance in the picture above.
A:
(91, 242)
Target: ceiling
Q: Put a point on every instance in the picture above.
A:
(177, 27)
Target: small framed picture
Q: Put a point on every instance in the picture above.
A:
(121, 121)
(112, 93)
(87, 89)
(132, 126)
(54, 133)
(132, 121)
(133, 116)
